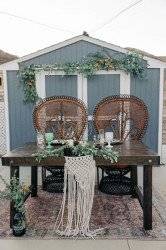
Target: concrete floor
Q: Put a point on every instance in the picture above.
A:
(159, 174)
(81, 245)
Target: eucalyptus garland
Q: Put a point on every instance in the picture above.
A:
(132, 63)
(79, 150)
(27, 76)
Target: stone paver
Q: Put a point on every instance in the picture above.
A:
(147, 245)
(64, 244)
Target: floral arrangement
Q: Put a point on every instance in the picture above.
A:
(15, 192)
(132, 63)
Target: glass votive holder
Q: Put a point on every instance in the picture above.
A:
(109, 136)
(49, 137)
(70, 142)
(40, 140)
(101, 136)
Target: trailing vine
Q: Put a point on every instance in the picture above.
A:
(27, 76)
(132, 63)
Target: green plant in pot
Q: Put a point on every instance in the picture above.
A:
(16, 193)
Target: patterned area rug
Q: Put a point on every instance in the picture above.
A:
(120, 216)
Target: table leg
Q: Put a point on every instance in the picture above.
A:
(43, 177)
(134, 179)
(147, 197)
(34, 172)
(14, 172)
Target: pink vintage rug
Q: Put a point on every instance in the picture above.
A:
(121, 216)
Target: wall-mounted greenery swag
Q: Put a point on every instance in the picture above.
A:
(132, 63)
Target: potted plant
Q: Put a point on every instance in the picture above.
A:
(16, 193)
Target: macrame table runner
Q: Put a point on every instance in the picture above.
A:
(79, 183)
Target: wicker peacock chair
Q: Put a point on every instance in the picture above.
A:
(127, 117)
(66, 117)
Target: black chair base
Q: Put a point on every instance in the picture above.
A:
(116, 185)
(53, 184)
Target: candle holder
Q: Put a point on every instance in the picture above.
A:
(49, 137)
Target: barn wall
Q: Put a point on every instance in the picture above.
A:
(20, 115)
(73, 52)
(148, 91)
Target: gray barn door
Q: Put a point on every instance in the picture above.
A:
(57, 85)
(99, 87)
(20, 115)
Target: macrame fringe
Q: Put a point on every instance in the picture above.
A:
(79, 184)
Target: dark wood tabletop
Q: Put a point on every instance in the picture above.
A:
(130, 153)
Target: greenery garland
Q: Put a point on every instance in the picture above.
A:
(132, 63)
(79, 150)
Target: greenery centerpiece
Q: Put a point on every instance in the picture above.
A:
(78, 150)
(131, 63)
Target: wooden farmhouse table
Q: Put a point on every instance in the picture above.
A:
(133, 153)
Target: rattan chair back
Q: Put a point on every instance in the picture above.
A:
(126, 116)
(65, 116)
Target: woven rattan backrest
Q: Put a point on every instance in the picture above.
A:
(126, 116)
(65, 116)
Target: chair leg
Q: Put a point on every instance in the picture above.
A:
(134, 179)
(102, 173)
(43, 177)
(98, 180)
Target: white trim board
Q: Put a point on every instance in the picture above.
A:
(85, 100)
(13, 65)
(124, 84)
(40, 84)
(79, 86)
(6, 111)
(163, 153)
(160, 127)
